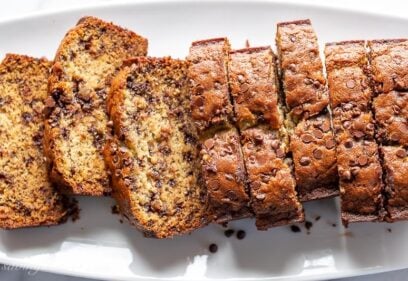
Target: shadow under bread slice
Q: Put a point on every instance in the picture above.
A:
(27, 197)
(154, 152)
(76, 127)
(358, 160)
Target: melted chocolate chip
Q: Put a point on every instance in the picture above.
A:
(241, 234)
(295, 228)
(401, 153)
(213, 248)
(330, 144)
(317, 153)
(304, 161)
(306, 138)
(229, 232)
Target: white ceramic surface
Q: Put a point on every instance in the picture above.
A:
(99, 246)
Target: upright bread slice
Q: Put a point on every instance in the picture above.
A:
(76, 128)
(254, 88)
(358, 160)
(304, 87)
(27, 198)
(389, 80)
(154, 151)
(212, 112)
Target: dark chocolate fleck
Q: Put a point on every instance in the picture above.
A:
(295, 228)
(213, 248)
(229, 232)
(241, 234)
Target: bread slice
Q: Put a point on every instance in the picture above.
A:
(76, 128)
(154, 151)
(27, 198)
(222, 161)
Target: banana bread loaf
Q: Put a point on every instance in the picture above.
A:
(153, 154)
(27, 197)
(76, 128)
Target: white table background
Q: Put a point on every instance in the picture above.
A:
(13, 8)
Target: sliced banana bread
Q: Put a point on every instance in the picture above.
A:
(76, 128)
(27, 198)
(359, 166)
(254, 88)
(153, 155)
(304, 87)
(212, 112)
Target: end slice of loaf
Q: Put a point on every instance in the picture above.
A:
(27, 198)
(76, 128)
(154, 151)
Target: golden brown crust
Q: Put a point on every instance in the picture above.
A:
(27, 197)
(224, 176)
(210, 102)
(391, 116)
(314, 156)
(153, 154)
(273, 194)
(254, 89)
(389, 64)
(346, 64)
(395, 162)
(76, 128)
(303, 81)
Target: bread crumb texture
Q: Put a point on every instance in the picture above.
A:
(76, 130)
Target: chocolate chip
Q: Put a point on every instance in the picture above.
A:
(396, 109)
(241, 234)
(325, 127)
(306, 138)
(275, 144)
(394, 137)
(213, 248)
(209, 144)
(229, 232)
(401, 153)
(345, 174)
(346, 124)
(308, 225)
(354, 171)
(330, 144)
(317, 153)
(316, 84)
(318, 134)
(280, 153)
(350, 84)
(348, 144)
(211, 168)
(260, 196)
(295, 228)
(304, 161)
(358, 134)
(258, 139)
(362, 160)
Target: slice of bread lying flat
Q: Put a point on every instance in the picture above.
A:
(27, 198)
(153, 154)
(76, 128)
